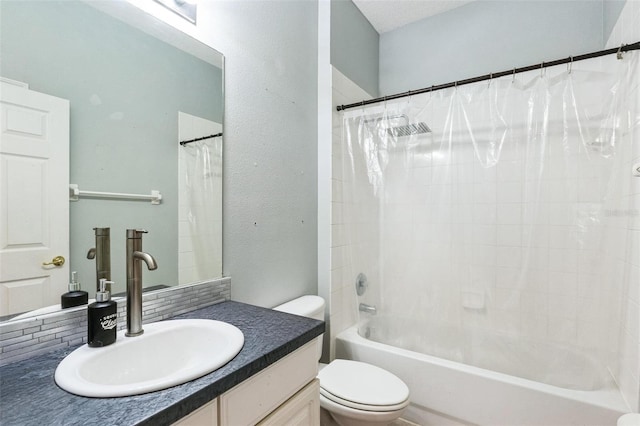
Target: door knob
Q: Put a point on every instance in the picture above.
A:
(56, 261)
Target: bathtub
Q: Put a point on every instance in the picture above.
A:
(446, 392)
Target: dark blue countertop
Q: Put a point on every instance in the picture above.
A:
(29, 395)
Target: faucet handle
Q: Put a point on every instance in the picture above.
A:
(136, 233)
(102, 232)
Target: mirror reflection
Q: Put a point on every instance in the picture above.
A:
(132, 98)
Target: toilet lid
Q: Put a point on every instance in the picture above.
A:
(362, 384)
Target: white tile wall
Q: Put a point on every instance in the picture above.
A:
(627, 30)
(343, 300)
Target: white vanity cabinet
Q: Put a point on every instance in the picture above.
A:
(285, 393)
(207, 415)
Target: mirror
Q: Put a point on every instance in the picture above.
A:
(134, 89)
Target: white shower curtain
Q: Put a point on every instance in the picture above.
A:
(489, 218)
(202, 168)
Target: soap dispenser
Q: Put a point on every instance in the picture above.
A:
(103, 318)
(75, 296)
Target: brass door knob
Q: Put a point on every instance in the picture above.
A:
(56, 261)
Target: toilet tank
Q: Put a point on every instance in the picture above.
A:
(306, 306)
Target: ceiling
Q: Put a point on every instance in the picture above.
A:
(387, 15)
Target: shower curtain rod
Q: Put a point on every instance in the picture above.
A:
(183, 143)
(618, 50)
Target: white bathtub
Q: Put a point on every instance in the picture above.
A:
(450, 393)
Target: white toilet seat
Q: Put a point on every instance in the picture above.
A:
(362, 386)
(363, 407)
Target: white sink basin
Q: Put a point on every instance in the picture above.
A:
(169, 353)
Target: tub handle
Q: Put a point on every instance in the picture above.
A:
(361, 284)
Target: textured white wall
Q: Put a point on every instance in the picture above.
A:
(270, 157)
(270, 142)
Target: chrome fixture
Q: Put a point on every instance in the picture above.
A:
(134, 280)
(402, 130)
(102, 254)
(361, 284)
(370, 309)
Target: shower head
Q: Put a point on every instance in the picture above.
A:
(409, 129)
(402, 130)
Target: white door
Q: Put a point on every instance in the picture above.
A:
(34, 198)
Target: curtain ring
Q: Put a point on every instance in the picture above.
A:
(619, 53)
(513, 78)
(542, 69)
(570, 65)
(490, 78)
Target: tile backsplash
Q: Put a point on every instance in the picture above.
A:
(22, 339)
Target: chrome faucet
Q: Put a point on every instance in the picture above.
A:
(102, 254)
(370, 309)
(134, 280)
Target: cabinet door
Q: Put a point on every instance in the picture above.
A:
(207, 415)
(252, 400)
(302, 409)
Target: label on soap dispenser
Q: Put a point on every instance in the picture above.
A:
(109, 321)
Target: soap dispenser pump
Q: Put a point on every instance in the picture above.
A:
(103, 318)
(75, 296)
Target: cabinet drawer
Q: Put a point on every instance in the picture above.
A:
(253, 399)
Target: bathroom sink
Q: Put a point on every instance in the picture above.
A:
(169, 353)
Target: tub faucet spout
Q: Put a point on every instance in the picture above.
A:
(370, 309)
(135, 256)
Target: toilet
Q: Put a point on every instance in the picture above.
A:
(354, 393)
